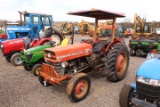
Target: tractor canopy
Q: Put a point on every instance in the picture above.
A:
(99, 15)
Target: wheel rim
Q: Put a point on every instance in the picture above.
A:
(37, 70)
(81, 88)
(121, 64)
(18, 60)
(56, 39)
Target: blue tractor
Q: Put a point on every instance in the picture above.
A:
(34, 25)
(146, 91)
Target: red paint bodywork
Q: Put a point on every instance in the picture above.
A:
(16, 45)
(3, 36)
(64, 53)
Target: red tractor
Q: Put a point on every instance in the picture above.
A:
(68, 62)
(11, 48)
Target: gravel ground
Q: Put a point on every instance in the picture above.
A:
(19, 88)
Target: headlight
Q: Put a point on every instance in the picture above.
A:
(64, 64)
(29, 56)
(148, 81)
(2, 46)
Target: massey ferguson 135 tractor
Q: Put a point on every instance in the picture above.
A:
(33, 58)
(68, 62)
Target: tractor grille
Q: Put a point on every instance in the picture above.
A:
(148, 90)
(49, 70)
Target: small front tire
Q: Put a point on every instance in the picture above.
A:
(78, 87)
(42, 81)
(125, 97)
(26, 67)
(8, 59)
(16, 59)
(36, 69)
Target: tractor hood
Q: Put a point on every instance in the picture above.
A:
(150, 69)
(37, 49)
(13, 41)
(64, 53)
(3, 36)
(12, 45)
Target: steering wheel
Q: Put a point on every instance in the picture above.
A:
(89, 41)
(72, 32)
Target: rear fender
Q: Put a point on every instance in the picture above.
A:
(39, 42)
(111, 44)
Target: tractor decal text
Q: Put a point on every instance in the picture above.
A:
(73, 54)
(18, 41)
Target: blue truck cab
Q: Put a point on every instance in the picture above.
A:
(33, 24)
(146, 91)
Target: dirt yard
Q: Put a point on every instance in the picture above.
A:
(19, 88)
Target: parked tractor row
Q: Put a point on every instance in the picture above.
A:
(52, 58)
(55, 58)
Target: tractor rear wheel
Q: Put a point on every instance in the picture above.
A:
(36, 69)
(78, 87)
(55, 35)
(126, 95)
(42, 81)
(117, 62)
(132, 52)
(16, 59)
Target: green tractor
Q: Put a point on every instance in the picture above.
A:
(33, 58)
(142, 47)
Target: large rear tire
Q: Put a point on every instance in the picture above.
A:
(117, 62)
(55, 35)
(78, 87)
(16, 59)
(125, 97)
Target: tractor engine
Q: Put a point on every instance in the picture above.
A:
(66, 59)
(95, 59)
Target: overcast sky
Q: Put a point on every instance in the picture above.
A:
(59, 8)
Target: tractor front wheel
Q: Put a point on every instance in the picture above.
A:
(126, 95)
(117, 62)
(42, 81)
(26, 67)
(36, 69)
(8, 59)
(78, 87)
(16, 59)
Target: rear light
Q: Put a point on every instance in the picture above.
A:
(154, 51)
(1, 45)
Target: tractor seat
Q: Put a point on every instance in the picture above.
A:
(27, 41)
(65, 42)
(98, 46)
